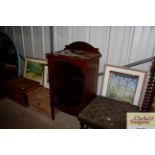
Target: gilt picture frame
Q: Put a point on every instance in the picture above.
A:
(34, 69)
(123, 84)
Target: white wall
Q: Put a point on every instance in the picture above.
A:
(30, 41)
(118, 45)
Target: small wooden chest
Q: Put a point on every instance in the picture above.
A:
(18, 88)
(39, 99)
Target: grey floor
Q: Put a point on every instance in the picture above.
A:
(16, 116)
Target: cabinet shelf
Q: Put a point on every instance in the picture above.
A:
(68, 77)
(68, 101)
(67, 69)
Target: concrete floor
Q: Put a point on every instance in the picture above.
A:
(16, 116)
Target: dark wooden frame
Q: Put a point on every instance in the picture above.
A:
(9, 62)
(150, 90)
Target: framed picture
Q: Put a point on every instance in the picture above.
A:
(46, 78)
(123, 84)
(34, 69)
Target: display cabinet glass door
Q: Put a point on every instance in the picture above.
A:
(67, 84)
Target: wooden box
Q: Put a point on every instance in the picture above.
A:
(39, 99)
(18, 88)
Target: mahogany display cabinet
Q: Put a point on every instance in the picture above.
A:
(73, 77)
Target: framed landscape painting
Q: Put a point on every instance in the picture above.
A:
(34, 69)
(123, 84)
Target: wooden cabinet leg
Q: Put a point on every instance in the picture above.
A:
(52, 112)
(81, 125)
